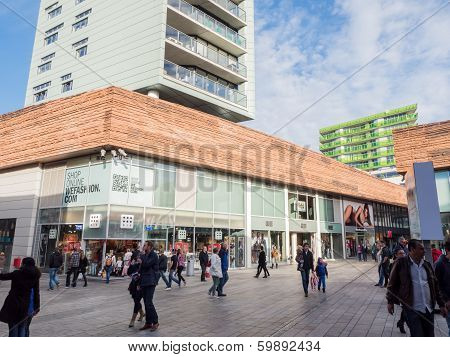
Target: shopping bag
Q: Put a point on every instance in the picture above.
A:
(207, 273)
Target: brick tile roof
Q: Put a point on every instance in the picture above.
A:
(115, 117)
(428, 142)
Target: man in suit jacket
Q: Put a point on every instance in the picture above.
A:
(308, 266)
(149, 279)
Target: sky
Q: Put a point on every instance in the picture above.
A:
(379, 49)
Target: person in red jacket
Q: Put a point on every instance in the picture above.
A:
(435, 253)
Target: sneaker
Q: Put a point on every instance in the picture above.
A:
(221, 295)
(50, 289)
(265, 276)
(217, 296)
(168, 288)
(67, 287)
(377, 285)
(184, 283)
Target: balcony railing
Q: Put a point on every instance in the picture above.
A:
(205, 51)
(355, 139)
(359, 148)
(194, 79)
(231, 7)
(208, 21)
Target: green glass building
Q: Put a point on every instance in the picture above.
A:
(367, 143)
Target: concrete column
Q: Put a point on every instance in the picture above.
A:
(153, 93)
(248, 223)
(318, 242)
(344, 250)
(287, 248)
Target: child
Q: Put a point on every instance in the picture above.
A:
(313, 282)
(322, 273)
(119, 266)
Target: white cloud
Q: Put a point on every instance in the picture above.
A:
(300, 55)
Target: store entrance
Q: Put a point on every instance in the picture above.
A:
(350, 245)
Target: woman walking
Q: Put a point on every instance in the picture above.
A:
(181, 266)
(83, 265)
(275, 256)
(135, 292)
(299, 258)
(216, 272)
(23, 300)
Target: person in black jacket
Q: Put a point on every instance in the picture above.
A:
(83, 265)
(163, 268)
(149, 279)
(204, 259)
(54, 264)
(23, 300)
(135, 291)
(308, 266)
(262, 265)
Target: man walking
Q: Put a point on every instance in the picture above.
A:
(223, 254)
(308, 266)
(163, 268)
(55, 263)
(173, 270)
(74, 265)
(149, 279)
(401, 245)
(443, 277)
(262, 264)
(414, 285)
(204, 259)
(383, 267)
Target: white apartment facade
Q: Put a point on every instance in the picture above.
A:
(198, 53)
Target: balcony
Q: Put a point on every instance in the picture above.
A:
(226, 10)
(181, 48)
(205, 84)
(195, 22)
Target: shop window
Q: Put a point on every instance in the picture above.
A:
(326, 210)
(292, 201)
(7, 231)
(164, 188)
(159, 217)
(49, 215)
(236, 243)
(72, 215)
(257, 201)
(268, 196)
(302, 207)
(237, 198)
(222, 196)
(95, 222)
(184, 239)
(279, 203)
(119, 230)
(205, 190)
(311, 208)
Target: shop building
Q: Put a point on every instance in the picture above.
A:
(109, 168)
(428, 143)
(366, 143)
(196, 53)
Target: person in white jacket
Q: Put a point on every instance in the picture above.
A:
(216, 272)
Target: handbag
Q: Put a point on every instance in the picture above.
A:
(299, 267)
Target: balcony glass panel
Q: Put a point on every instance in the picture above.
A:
(205, 51)
(208, 21)
(201, 82)
(231, 7)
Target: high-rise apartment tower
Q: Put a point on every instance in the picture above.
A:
(367, 143)
(198, 53)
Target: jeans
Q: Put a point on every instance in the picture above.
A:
(163, 276)
(322, 280)
(203, 277)
(180, 277)
(151, 317)
(172, 278)
(108, 271)
(72, 271)
(359, 256)
(365, 256)
(223, 281)
(21, 329)
(215, 285)
(53, 277)
(420, 324)
(305, 280)
(382, 271)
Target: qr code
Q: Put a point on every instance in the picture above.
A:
(120, 183)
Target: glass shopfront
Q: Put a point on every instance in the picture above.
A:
(236, 244)
(260, 240)
(332, 246)
(7, 230)
(278, 241)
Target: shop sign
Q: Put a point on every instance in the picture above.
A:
(52, 234)
(182, 234)
(78, 227)
(148, 228)
(331, 228)
(76, 186)
(301, 206)
(269, 223)
(218, 235)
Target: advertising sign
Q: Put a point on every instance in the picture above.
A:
(423, 207)
(301, 206)
(76, 186)
(358, 215)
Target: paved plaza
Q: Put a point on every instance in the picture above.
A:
(352, 306)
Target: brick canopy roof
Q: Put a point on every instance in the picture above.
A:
(115, 117)
(421, 143)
